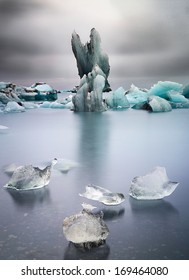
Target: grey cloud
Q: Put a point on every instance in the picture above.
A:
(17, 7)
(145, 37)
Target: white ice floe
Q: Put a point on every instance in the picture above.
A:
(29, 177)
(85, 228)
(154, 185)
(103, 195)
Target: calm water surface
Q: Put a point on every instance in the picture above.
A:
(111, 148)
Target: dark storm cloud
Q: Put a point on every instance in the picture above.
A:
(143, 37)
(16, 7)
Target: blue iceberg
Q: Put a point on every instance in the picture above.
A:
(117, 99)
(135, 95)
(162, 89)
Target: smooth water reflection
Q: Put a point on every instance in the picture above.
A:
(111, 148)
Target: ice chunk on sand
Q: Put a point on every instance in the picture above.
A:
(13, 106)
(85, 229)
(117, 99)
(154, 185)
(158, 104)
(29, 177)
(103, 195)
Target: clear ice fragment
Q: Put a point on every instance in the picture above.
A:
(29, 177)
(154, 185)
(85, 229)
(103, 195)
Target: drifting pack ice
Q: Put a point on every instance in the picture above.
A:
(85, 229)
(93, 67)
(154, 185)
(103, 195)
(29, 177)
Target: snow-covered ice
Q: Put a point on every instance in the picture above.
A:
(154, 185)
(102, 195)
(85, 229)
(14, 107)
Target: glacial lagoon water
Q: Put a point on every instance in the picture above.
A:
(111, 148)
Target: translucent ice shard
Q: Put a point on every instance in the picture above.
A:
(64, 165)
(154, 185)
(158, 104)
(103, 195)
(29, 177)
(87, 206)
(117, 99)
(85, 229)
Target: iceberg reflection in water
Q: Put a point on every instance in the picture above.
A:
(111, 149)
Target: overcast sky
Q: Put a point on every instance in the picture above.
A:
(141, 37)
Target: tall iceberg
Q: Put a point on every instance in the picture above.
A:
(93, 68)
(89, 55)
